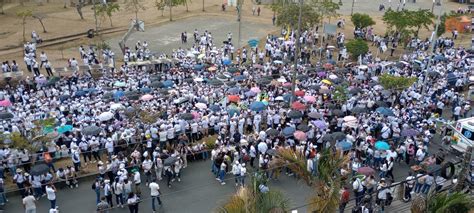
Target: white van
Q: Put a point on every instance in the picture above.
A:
(466, 128)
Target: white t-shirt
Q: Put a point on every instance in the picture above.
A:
(29, 202)
(154, 189)
(50, 192)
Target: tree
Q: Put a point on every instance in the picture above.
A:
(171, 4)
(326, 180)
(443, 202)
(420, 18)
(160, 5)
(2, 3)
(288, 16)
(135, 6)
(40, 17)
(443, 19)
(185, 3)
(327, 8)
(251, 199)
(391, 82)
(79, 7)
(362, 20)
(107, 10)
(357, 47)
(24, 15)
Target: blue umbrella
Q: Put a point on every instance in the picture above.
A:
(168, 83)
(288, 131)
(344, 145)
(287, 97)
(257, 106)
(440, 58)
(198, 67)
(239, 78)
(65, 128)
(145, 90)
(80, 93)
(227, 62)
(250, 93)
(119, 94)
(385, 111)
(201, 100)
(91, 90)
(233, 111)
(382, 145)
(451, 78)
(215, 108)
(233, 90)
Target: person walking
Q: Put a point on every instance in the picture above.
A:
(96, 186)
(358, 189)
(132, 202)
(51, 195)
(155, 194)
(29, 202)
(345, 195)
(108, 192)
(118, 191)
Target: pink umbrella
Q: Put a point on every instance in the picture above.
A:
(255, 89)
(367, 171)
(299, 93)
(309, 99)
(146, 97)
(196, 115)
(287, 84)
(5, 103)
(300, 135)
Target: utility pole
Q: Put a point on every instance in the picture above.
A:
(352, 8)
(432, 6)
(297, 49)
(239, 19)
(464, 173)
(95, 17)
(433, 49)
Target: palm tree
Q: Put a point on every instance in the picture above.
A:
(250, 199)
(327, 183)
(443, 202)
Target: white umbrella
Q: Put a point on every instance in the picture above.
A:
(201, 105)
(105, 116)
(278, 62)
(378, 87)
(332, 76)
(279, 98)
(199, 79)
(190, 55)
(350, 118)
(117, 106)
(282, 80)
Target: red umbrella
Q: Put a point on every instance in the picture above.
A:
(234, 98)
(328, 66)
(299, 135)
(367, 171)
(298, 106)
(299, 93)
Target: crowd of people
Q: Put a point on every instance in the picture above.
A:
(142, 123)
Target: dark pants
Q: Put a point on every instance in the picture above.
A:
(342, 206)
(36, 71)
(53, 203)
(49, 72)
(133, 208)
(109, 200)
(119, 199)
(153, 202)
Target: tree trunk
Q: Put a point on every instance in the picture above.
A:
(171, 13)
(186, 2)
(42, 25)
(79, 10)
(203, 6)
(24, 23)
(110, 19)
(163, 12)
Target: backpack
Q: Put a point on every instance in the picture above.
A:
(93, 186)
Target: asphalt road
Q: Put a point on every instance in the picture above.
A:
(166, 37)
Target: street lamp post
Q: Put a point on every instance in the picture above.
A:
(297, 49)
(352, 8)
(433, 48)
(239, 19)
(432, 6)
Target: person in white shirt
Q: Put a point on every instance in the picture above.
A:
(137, 181)
(118, 191)
(29, 202)
(51, 195)
(155, 194)
(147, 164)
